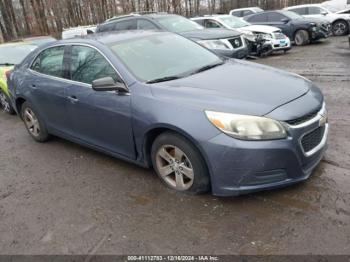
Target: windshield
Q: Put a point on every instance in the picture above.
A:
(162, 56)
(234, 22)
(178, 24)
(14, 54)
(292, 15)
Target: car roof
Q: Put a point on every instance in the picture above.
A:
(246, 8)
(110, 37)
(300, 6)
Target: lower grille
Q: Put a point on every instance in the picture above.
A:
(236, 42)
(312, 139)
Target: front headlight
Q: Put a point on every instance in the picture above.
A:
(247, 127)
(214, 44)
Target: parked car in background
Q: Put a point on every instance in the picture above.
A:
(158, 99)
(222, 41)
(11, 54)
(272, 36)
(340, 21)
(299, 29)
(242, 12)
(78, 31)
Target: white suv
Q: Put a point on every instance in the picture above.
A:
(273, 35)
(340, 22)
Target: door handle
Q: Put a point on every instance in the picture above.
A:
(73, 99)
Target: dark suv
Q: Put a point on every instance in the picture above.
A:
(224, 42)
(299, 29)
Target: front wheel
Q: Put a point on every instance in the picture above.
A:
(5, 103)
(340, 28)
(179, 164)
(301, 38)
(35, 126)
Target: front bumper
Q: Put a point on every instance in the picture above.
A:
(321, 32)
(240, 167)
(280, 44)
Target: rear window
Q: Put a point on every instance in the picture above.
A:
(14, 54)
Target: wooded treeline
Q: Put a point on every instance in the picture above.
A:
(19, 18)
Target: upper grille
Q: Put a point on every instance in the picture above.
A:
(279, 36)
(236, 42)
(312, 139)
(303, 119)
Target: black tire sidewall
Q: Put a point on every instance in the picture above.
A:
(12, 111)
(201, 182)
(44, 135)
(305, 37)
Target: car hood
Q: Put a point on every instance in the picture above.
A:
(261, 29)
(209, 34)
(235, 87)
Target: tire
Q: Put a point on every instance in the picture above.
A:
(340, 28)
(5, 103)
(301, 38)
(179, 164)
(34, 124)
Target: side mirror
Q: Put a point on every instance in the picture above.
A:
(324, 13)
(285, 20)
(108, 84)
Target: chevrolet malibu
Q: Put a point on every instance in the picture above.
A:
(160, 100)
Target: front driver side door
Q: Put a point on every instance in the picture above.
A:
(101, 119)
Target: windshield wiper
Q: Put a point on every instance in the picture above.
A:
(7, 64)
(163, 79)
(207, 67)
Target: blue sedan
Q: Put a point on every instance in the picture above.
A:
(159, 100)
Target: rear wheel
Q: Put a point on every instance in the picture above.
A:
(179, 164)
(5, 103)
(301, 38)
(340, 28)
(35, 126)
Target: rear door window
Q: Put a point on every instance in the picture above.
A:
(237, 13)
(300, 10)
(247, 12)
(126, 25)
(275, 17)
(212, 24)
(50, 62)
(258, 18)
(143, 24)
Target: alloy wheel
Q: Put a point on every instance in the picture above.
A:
(175, 167)
(339, 28)
(4, 102)
(299, 39)
(31, 121)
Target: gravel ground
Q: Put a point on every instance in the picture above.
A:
(61, 198)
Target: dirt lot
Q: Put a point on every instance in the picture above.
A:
(60, 198)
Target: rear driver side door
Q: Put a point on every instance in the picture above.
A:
(102, 119)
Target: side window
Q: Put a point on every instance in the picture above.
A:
(126, 25)
(212, 24)
(143, 24)
(259, 18)
(314, 10)
(199, 21)
(237, 13)
(300, 10)
(50, 62)
(87, 65)
(247, 12)
(275, 17)
(106, 28)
